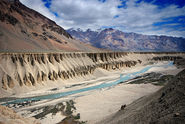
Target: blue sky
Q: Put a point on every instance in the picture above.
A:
(155, 17)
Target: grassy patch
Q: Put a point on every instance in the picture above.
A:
(50, 109)
(66, 110)
(69, 107)
(153, 78)
(164, 79)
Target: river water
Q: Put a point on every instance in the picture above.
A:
(122, 79)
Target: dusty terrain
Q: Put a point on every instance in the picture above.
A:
(97, 105)
(8, 116)
(92, 105)
(164, 106)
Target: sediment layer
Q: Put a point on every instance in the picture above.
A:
(30, 69)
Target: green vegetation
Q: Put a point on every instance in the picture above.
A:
(70, 107)
(164, 79)
(66, 110)
(49, 109)
(77, 116)
(153, 78)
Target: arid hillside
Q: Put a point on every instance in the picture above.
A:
(166, 106)
(23, 29)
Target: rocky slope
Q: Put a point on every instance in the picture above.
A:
(8, 116)
(24, 70)
(113, 39)
(23, 29)
(166, 106)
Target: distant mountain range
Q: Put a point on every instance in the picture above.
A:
(113, 39)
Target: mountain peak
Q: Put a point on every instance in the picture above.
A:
(89, 29)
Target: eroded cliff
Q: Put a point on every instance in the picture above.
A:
(21, 70)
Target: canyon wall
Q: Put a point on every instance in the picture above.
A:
(20, 70)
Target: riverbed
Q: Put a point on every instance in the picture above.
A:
(96, 100)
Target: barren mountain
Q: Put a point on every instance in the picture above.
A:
(23, 29)
(113, 39)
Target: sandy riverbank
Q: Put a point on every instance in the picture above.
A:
(99, 104)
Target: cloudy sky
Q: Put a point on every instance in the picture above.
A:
(161, 17)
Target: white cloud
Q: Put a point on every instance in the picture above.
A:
(85, 13)
(95, 14)
(39, 6)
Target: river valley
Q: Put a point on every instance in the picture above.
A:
(91, 94)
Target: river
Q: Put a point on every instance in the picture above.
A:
(122, 79)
